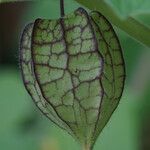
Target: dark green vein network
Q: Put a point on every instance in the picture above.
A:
(73, 68)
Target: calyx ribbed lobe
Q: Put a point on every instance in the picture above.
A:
(76, 70)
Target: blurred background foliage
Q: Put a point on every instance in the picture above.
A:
(23, 127)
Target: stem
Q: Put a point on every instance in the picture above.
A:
(86, 147)
(62, 12)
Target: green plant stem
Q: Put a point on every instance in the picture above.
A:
(86, 147)
(62, 11)
(131, 26)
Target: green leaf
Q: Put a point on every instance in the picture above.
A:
(131, 26)
(130, 7)
(144, 18)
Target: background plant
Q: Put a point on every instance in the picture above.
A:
(24, 128)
